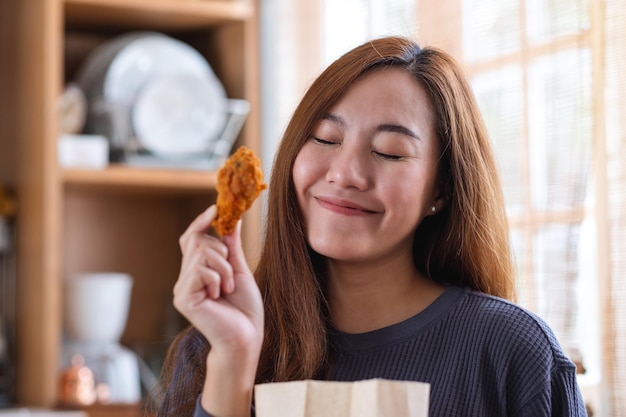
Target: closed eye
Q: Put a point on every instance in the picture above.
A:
(325, 142)
(387, 156)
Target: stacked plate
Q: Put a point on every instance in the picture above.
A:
(150, 93)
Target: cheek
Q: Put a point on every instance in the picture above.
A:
(303, 177)
(306, 170)
(299, 174)
(409, 193)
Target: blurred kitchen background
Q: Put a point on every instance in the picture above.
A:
(549, 75)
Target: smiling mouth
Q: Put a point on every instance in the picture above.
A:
(344, 207)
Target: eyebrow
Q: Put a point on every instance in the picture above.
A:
(385, 127)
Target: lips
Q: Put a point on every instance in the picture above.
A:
(343, 206)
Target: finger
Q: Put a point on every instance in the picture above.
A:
(210, 245)
(220, 264)
(236, 257)
(189, 295)
(214, 257)
(206, 286)
(223, 268)
(207, 251)
(205, 257)
(200, 225)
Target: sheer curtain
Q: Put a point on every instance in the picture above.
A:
(615, 118)
(550, 77)
(291, 57)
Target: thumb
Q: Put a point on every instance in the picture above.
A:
(236, 256)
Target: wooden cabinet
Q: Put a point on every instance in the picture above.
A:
(121, 218)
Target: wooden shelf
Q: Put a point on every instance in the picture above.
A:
(120, 218)
(146, 179)
(155, 14)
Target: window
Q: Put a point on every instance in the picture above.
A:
(532, 71)
(533, 83)
(369, 19)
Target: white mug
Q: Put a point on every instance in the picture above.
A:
(96, 306)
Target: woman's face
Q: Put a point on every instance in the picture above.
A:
(367, 176)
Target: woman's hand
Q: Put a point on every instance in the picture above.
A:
(215, 290)
(217, 293)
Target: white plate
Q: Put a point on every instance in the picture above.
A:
(149, 56)
(131, 70)
(178, 115)
(92, 72)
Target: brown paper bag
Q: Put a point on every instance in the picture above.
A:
(368, 398)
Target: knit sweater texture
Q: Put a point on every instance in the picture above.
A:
(482, 356)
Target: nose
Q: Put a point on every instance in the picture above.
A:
(349, 168)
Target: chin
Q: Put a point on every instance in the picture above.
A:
(337, 248)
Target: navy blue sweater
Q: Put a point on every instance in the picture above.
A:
(482, 355)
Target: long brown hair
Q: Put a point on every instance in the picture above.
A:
(466, 243)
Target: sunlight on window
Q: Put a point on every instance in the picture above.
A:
(490, 28)
(560, 123)
(500, 95)
(367, 19)
(537, 105)
(547, 19)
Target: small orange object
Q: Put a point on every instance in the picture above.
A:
(239, 183)
(77, 385)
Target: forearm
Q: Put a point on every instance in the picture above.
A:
(229, 383)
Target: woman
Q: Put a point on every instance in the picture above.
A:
(386, 255)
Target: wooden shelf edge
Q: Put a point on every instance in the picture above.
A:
(156, 14)
(148, 179)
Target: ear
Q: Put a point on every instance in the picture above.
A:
(440, 200)
(436, 207)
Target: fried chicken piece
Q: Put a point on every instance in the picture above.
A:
(239, 183)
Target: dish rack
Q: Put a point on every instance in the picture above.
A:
(7, 312)
(158, 101)
(114, 123)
